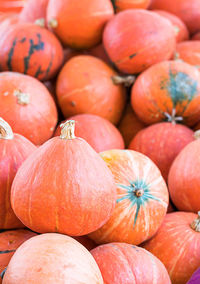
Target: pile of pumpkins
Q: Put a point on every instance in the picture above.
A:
(99, 141)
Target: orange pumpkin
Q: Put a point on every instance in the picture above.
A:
(196, 36)
(122, 263)
(12, 5)
(121, 5)
(52, 258)
(162, 142)
(85, 85)
(187, 10)
(100, 133)
(177, 245)
(142, 199)
(79, 24)
(30, 49)
(72, 179)
(14, 149)
(145, 39)
(168, 90)
(9, 242)
(180, 28)
(184, 176)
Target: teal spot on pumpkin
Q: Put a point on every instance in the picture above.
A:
(38, 72)
(6, 251)
(10, 54)
(138, 194)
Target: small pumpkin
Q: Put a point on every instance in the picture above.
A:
(12, 6)
(177, 245)
(52, 258)
(121, 5)
(145, 39)
(196, 36)
(142, 199)
(169, 90)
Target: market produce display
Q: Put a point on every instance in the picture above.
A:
(99, 141)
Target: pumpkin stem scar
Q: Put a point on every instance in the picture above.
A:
(68, 129)
(196, 224)
(197, 134)
(173, 118)
(10, 55)
(22, 98)
(5, 130)
(126, 80)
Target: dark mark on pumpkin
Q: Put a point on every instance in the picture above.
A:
(23, 40)
(38, 72)
(114, 4)
(6, 251)
(49, 67)
(10, 55)
(3, 273)
(132, 55)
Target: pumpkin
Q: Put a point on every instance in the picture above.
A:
(12, 5)
(9, 242)
(169, 90)
(142, 199)
(86, 242)
(187, 10)
(14, 149)
(180, 28)
(26, 104)
(72, 179)
(129, 125)
(52, 258)
(122, 263)
(162, 142)
(183, 176)
(85, 85)
(195, 277)
(177, 245)
(121, 5)
(196, 36)
(145, 39)
(87, 18)
(30, 49)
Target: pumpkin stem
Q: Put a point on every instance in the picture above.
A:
(22, 98)
(67, 130)
(53, 23)
(40, 22)
(126, 80)
(197, 134)
(5, 130)
(196, 224)
(139, 192)
(173, 118)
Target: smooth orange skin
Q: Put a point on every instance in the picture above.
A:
(162, 142)
(43, 61)
(35, 121)
(13, 153)
(52, 258)
(196, 36)
(180, 28)
(151, 97)
(100, 133)
(184, 181)
(73, 180)
(122, 263)
(177, 245)
(84, 85)
(12, 5)
(127, 165)
(122, 5)
(187, 10)
(34, 10)
(136, 39)
(87, 18)
(129, 125)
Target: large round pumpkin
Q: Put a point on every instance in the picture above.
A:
(162, 142)
(27, 106)
(72, 180)
(142, 198)
(121, 5)
(177, 245)
(52, 258)
(145, 39)
(9, 242)
(14, 149)
(184, 178)
(79, 24)
(85, 85)
(30, 49)
(12, 5)
(100, 133)
(168, 90)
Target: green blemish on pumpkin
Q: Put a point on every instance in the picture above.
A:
(6, 251)
(132, 55)
(10, 55)
(38, 72)
(49, 67)
(23, 40)
(130, 194)
(33, 47)
(3, 273)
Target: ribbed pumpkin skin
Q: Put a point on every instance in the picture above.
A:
(12, 6)
(177, 245)
(74, 182)
(54, 259)
(196, 36)
(187, 10)
(33, 11)
(27, 119)
(121, 5)
(145, 39)
(180, 28)
(12, 154)
(87, 18)
(100, 133)
(32, 50)
(184, 178)
(135, 219)
(162, 142)
(166, 86)
(9, 242)
(122, 263)
(84, 85)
